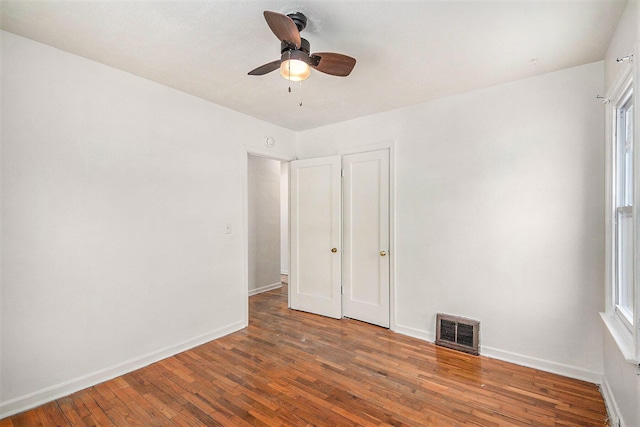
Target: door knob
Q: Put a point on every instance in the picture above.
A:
(383, 253)
(334, 250)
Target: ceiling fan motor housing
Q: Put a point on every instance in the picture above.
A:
(299, 19)
(304, 46)
(295, 55)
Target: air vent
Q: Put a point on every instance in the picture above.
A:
(458, 333)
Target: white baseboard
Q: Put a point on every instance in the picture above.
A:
(415, 333)
(613, 411)
(518, 359)
(285, 272)
(40, 397)
(543, 365)
(265, 288)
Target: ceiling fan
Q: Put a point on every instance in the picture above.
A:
(296, 61)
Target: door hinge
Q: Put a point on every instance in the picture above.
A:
(342, 173)
(342, 289)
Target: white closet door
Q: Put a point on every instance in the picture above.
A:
(366, 237)
(316, 264)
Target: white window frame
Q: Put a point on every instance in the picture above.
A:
(623, 326)
(624, 248)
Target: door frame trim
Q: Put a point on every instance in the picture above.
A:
(247, 151)
(385, 145)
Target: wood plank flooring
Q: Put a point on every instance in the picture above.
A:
(296, 369)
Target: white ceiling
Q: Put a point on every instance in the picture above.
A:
(408, 52)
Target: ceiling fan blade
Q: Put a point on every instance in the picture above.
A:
(266, 68)
(283, 27)
(335, 64)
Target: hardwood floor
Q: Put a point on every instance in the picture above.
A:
(296, 369)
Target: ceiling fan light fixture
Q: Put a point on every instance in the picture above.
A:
(295, 66)
(295, 70)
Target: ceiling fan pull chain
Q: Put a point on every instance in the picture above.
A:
(289, 65)
(301, 93)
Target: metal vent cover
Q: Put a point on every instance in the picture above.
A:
(458, 333)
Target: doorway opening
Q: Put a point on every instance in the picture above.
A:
(267, 225)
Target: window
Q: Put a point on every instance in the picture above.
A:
(622, 228)
(623, 184)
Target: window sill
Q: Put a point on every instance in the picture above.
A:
(621, 336)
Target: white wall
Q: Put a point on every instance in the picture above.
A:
(1, 227)
(115, 192)
(621, 384)
(622, 42)
(264, 223)
(499, 214)
(284, 218)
